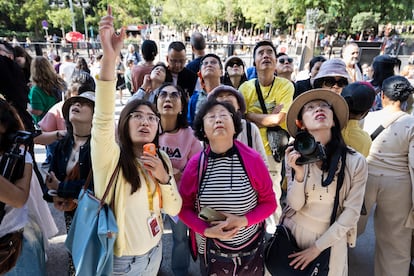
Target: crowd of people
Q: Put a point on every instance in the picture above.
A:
(218, 176)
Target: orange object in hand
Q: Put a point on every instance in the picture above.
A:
(150, 148)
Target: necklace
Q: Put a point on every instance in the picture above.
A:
(82, 136)
(74, 155)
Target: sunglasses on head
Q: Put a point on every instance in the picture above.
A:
(232, 63)
(283, 60)
(331, 81)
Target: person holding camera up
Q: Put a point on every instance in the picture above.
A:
(15, 249)
(318, 164)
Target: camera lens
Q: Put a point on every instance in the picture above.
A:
(304, 143)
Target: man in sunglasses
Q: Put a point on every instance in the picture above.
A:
(284, 66)
(332, 76)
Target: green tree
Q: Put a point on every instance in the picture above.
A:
(60, 18)
(365, 22)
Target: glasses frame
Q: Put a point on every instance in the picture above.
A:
(331, 81)
(283, 60)
(174, 95)
(151, 118)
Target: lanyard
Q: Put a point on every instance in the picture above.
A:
(152, 194)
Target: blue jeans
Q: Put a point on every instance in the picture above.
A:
(147, 264)
(32, 258)
(180, 257)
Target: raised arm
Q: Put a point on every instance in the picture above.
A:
(112, 43)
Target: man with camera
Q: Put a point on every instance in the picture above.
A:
(267, 100)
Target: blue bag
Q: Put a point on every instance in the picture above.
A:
(93, 232)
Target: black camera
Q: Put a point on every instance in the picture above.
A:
(310, 150)
(12, 161)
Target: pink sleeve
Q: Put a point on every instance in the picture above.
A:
(53, 120)
(262, 183)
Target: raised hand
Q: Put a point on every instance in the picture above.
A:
(112, 44)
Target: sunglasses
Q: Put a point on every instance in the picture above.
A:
(232, 63)
(331, 81)
(175, 95)
(283, 60)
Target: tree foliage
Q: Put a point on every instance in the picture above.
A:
(365, 21)
(334, 15)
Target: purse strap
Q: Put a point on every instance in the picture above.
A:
(201, 164)
(114, 176)
(381, 127)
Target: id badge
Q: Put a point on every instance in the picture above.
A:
(153, 225)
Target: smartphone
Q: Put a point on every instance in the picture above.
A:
(208, 214)
(150, 148)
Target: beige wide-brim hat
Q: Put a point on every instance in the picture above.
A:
(339, 106)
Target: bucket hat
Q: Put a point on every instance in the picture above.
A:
(84, 97)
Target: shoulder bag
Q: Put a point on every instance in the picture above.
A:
(93, 231)
(283, 243)
(278, 137)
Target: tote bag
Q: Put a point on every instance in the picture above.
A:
(93, 232)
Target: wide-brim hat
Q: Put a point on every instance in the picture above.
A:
(339, 106)
(84, 97)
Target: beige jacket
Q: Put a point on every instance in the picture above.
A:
(351, 197)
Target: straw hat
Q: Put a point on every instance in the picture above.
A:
(339, 105)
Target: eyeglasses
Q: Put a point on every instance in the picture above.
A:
(211, 118)
(174, 95)
(232, 63)
(315, 105)
(283, 60)
(212, 62)
(331, 81)
(141, 117)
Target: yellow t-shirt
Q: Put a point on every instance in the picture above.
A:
(281, 93)
(356, 137)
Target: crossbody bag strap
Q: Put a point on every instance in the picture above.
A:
(249, 134)
(260, 96)
(88, 180)
(114, 177)
(201, 163)
(383, 126)
(341, 178)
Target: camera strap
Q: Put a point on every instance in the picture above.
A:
(260, 95)
(339, 183)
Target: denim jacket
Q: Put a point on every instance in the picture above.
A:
(60, 159)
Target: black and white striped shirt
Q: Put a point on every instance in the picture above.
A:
(226, 187)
